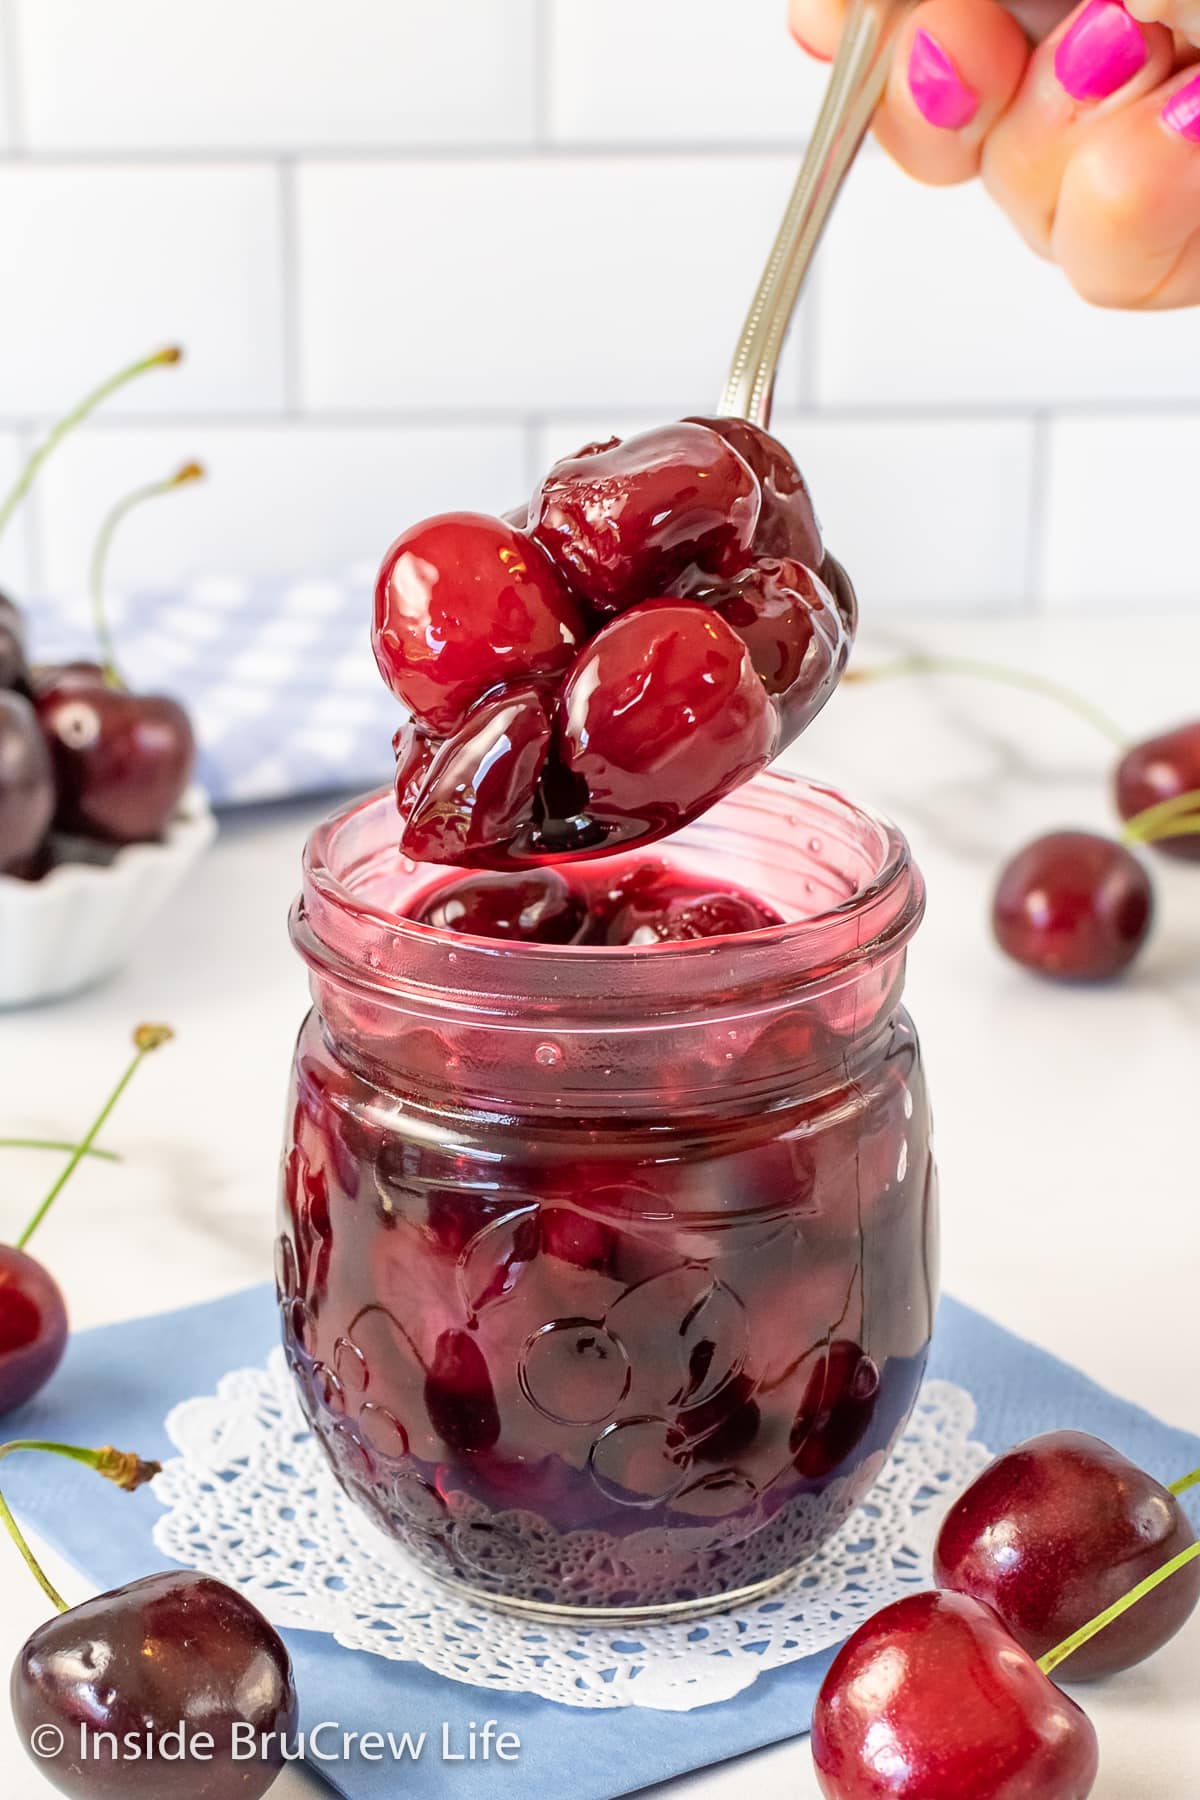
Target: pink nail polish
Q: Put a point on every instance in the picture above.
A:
(941, 94)
(1182, 111)
(1102, 51)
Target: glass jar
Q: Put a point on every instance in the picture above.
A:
(607, 1275)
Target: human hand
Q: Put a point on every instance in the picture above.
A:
(1089, 138)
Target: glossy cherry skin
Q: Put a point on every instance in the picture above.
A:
(657, 908)
(661, 716)
(787, 524)
(122, 761)
(622, 520)
(789, 622)
(1073, 905)
(27, 795)
(531, 907)
(463, 604)
(932, 1699)
(1053, 1533)
(1161, 769)
(173, 1649)
(33, 1327)
(14, 670)
(470, 799)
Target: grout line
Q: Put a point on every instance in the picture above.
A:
(580, 411)
(542, 31)
(402, 155)
(290, 289)
(14, 98)
(1039, 514)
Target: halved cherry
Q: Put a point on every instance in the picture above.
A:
(474, 801)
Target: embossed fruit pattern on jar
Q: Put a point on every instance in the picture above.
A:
(607, 1273)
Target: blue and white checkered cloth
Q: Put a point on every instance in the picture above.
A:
(277, 675)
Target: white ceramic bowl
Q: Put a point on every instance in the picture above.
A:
(82, 920)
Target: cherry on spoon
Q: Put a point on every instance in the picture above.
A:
(174, 1651)
(33, 1314)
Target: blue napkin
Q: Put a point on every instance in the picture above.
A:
(118, 1383)
(277, 675)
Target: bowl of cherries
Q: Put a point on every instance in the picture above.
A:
(99, 818)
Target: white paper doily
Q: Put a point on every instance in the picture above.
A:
(251, 1499)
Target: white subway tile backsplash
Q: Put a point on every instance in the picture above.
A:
(277, 74)
(279, 499)
(7, 85)
(1121, 513)
(531, 284)
(929, 298)
(16, 573)
(678, 71)
(924, 514)
(101, 264)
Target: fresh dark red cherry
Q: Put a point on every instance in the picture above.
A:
(622, 520)
(787, 524)
(459, 1395)
(464, 603)
(470, 800)
(1162, 768)
(122, 760)
(27, 796)
(14, 670)
(932, 1699)
(1073, 905)
(1056, 1530)
(33, 1315)
(33, 1327)
(533, 907)
(661, 716)
(173, 1649)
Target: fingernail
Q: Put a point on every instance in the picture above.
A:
(1182, 111)
(1102, 51)
(941, 94)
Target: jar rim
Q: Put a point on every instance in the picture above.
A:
(875, 918)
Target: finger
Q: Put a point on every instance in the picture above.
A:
(816, 25)
(1182, 16)
(1127, 228)
(1097, 63)
(958, 64)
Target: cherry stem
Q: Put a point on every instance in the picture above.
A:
(1167, 818)
(128, 1471)
(30, 1143)
(191, 471)
(145, 1038)
(920, 664)
(1087, 1632)
(1185, 1482)
(161, 359)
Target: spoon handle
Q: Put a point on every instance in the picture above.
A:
(857, 79)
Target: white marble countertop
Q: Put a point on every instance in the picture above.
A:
(1065, 1118)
